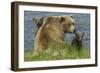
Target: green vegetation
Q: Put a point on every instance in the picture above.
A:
(57, 51)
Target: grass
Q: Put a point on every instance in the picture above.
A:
(57, 51)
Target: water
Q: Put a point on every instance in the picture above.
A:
(82, 25)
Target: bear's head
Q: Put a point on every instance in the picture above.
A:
(68, 23)
(38, 21)
(79, 36)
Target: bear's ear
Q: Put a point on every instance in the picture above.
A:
(62, 19)
(71, 16)
(49, 19)
(82, 34)
(35, 18)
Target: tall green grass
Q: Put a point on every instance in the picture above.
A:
(57, 51)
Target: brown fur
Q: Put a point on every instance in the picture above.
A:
(52, 30)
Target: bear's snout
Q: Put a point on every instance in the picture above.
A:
(72, 29)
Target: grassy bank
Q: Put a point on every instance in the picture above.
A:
(57, 51)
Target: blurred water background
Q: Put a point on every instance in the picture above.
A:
(82, 25)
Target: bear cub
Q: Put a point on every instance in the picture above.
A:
(77, 41)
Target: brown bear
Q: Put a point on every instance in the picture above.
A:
(53, 29)
(38, 21)
(77, 41)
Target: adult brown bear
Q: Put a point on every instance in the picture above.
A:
(53, 29)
